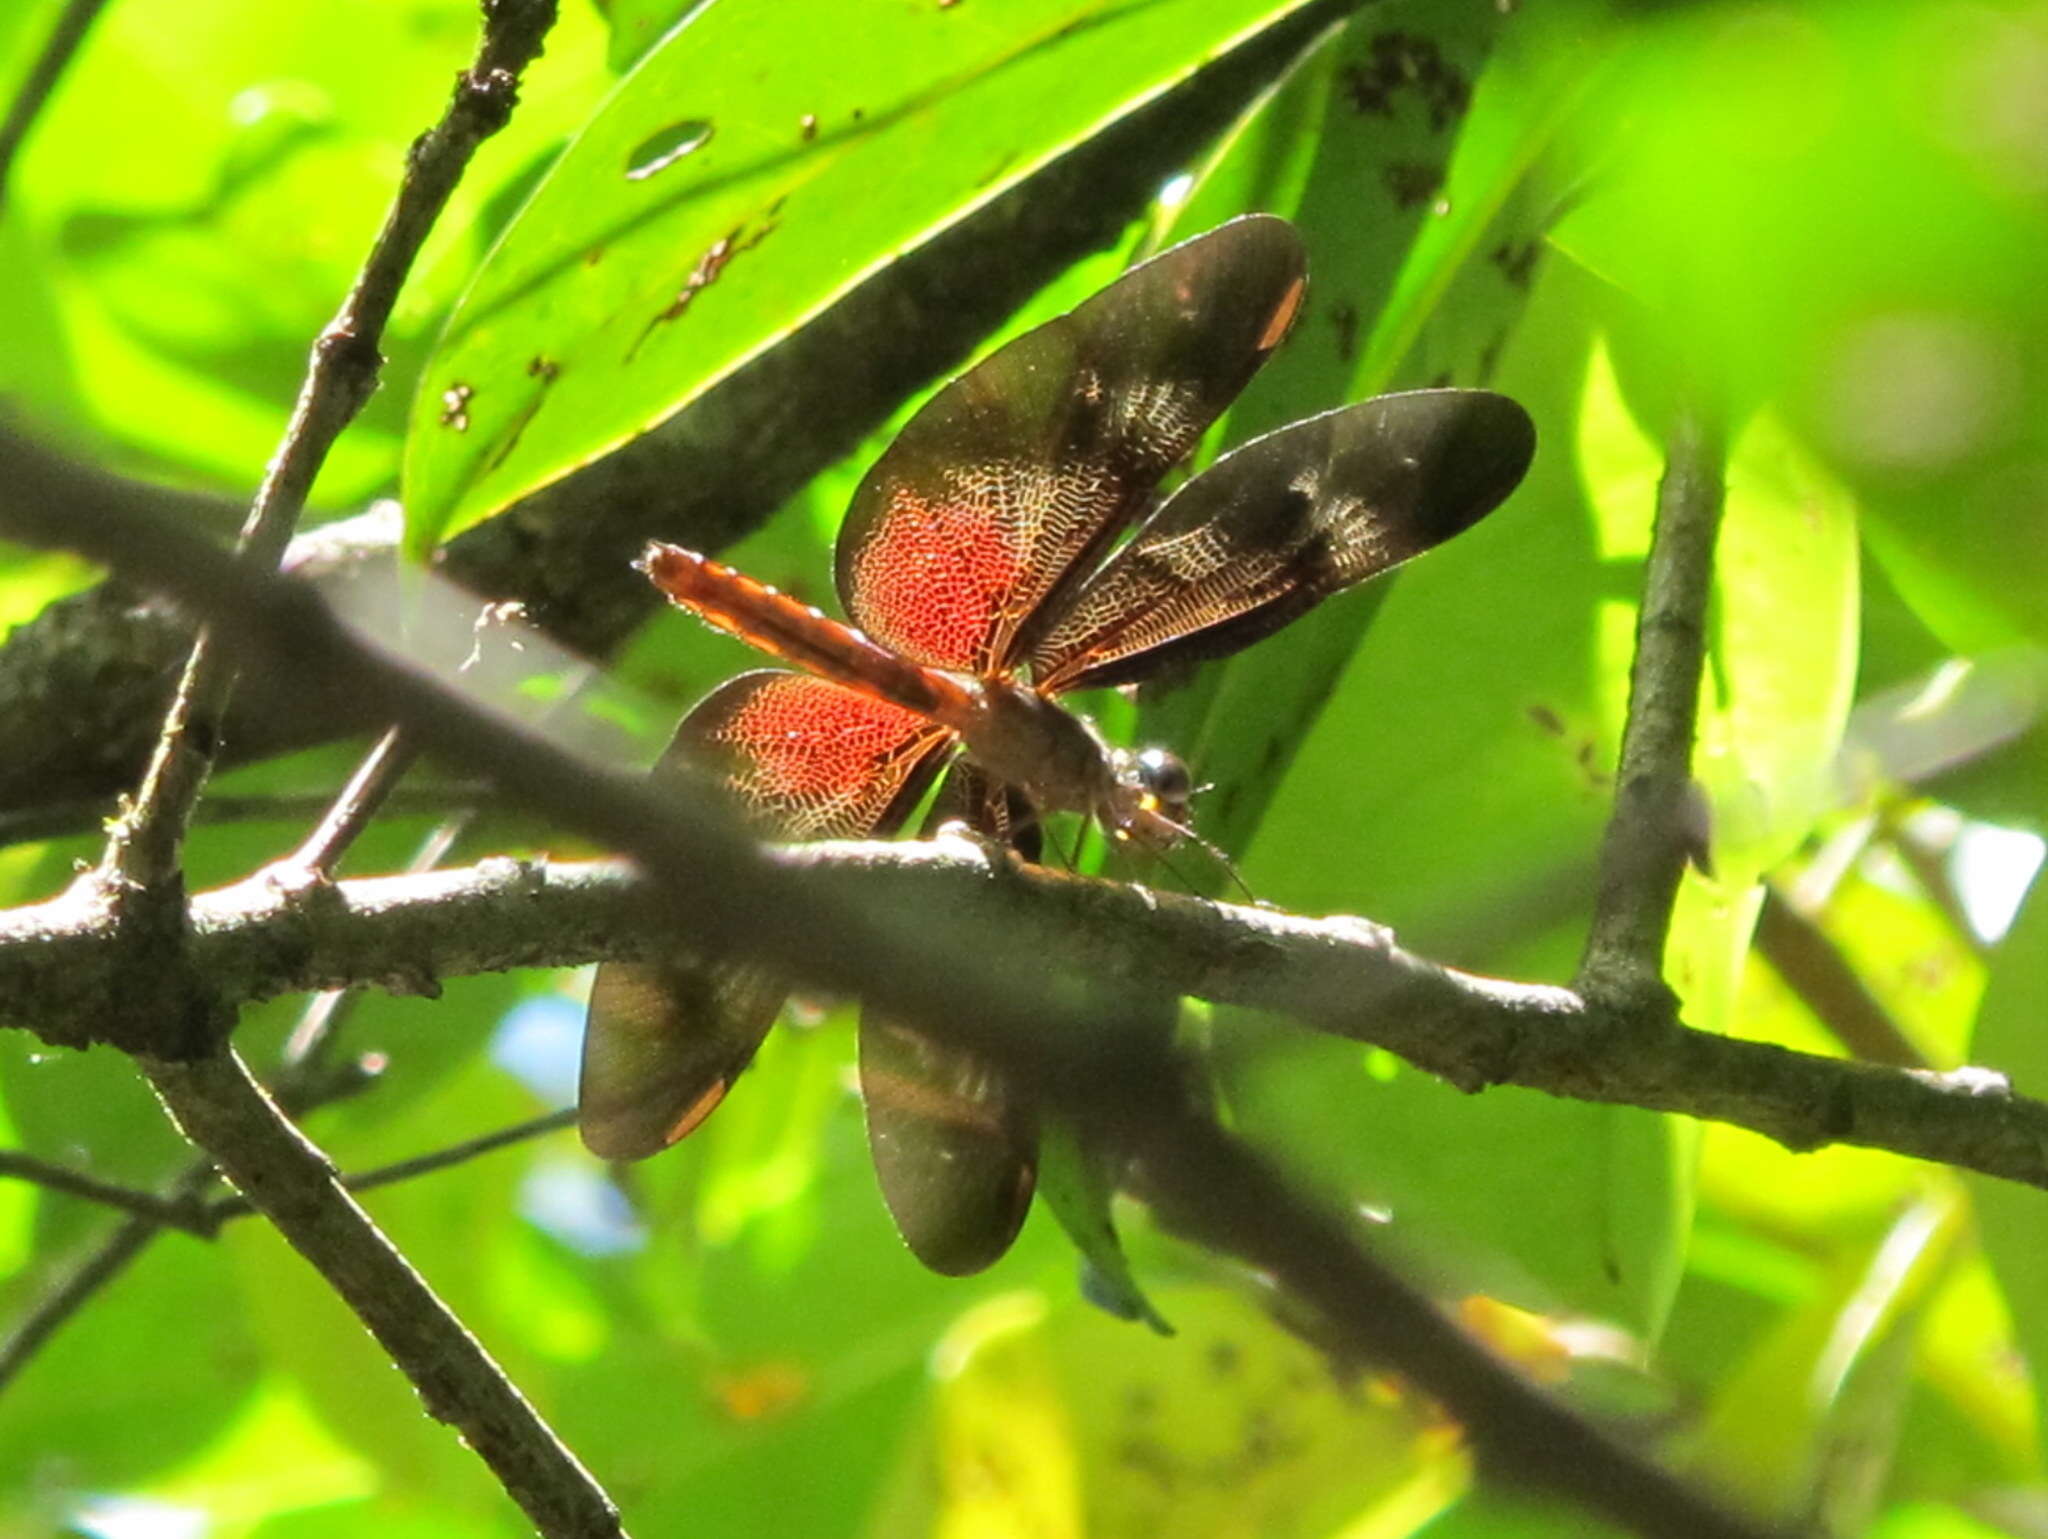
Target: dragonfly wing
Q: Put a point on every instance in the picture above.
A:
(1014, 478)
(954, 1150)
(1275, 527)
(806, 759)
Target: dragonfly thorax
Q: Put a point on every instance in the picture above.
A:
(1026, 739)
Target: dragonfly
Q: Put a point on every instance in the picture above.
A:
(988, 565)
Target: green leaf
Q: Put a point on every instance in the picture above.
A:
(637, 25)
(1821, 1454)
(1078, 1190)
(1455, 787)
(1057, 1420)
(637, 277)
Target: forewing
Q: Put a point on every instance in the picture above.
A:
(1010, 482)
(806, 759)
(1283, 522)
(954, 1151)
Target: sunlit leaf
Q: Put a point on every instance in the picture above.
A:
(636, 277)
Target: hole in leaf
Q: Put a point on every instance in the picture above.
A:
(663, 148)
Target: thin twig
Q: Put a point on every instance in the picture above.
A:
(319, 1024)
(98, 1267)
(202, 1220)
(424, 1164)
(172, 1212)
(63, 44)
(226, 1114)
(1930, 869)
(360, 800)
(1649, 837)
(340, 378)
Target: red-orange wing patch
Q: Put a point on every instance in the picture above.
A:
(807, 759)
(810, 759)
(1014, 480)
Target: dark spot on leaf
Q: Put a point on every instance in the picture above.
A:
(1588, 759)
(593, 256)
(1441, 380)
(1225, 1359)
(1613, 1270)
(1547, 719)
(709, 266)
(455, 407)
(807, 127)
(1516, 261)
(859, 113)
(1405, 62)
(1147, 1457)
(1344, 320)
(543, 368)
(1412, 183)
(665, 146)
(513, 434)
(1489, 357)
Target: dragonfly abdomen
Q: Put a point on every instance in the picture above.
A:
(797, 633)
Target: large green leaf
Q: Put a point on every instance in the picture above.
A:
(748, 172)
(1059, 1421)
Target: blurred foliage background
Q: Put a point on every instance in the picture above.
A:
(1822, 224)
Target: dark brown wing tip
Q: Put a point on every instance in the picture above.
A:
(1473, 446)
(631, 1134)
(963, 1251)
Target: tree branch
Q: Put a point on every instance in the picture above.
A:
(1344, 976)
(1650, 835)
(1813, 968)
(223, 1111)
(202, 1220)
(943, 972)
(176, 1211)
(1209, 1188)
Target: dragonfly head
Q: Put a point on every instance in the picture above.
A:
(1153, 788)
